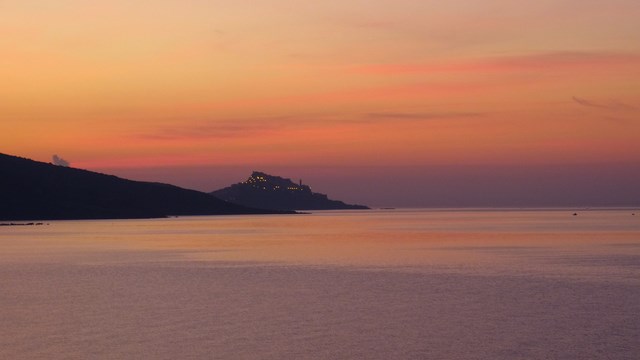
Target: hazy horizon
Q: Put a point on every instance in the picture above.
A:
(437, 186)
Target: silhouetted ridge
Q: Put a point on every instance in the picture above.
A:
(31, 190)
(266, 191)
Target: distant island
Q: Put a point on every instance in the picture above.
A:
(266, 191)
(32, 190)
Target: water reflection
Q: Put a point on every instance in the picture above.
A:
(377, 285)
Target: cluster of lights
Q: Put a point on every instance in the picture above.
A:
(275, 187)
(255, 181)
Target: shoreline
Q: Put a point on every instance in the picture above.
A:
(23, 224)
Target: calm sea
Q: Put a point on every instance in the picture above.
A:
(393, 284)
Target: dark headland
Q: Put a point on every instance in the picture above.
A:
(265, 191)
(32, 190)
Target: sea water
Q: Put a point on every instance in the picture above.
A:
(380, 284)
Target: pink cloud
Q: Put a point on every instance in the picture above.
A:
(554, 60)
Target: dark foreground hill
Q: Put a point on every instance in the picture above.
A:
(31, 190)
(273, 192)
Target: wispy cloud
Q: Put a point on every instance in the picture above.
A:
(214, 130)
(234, 128)
(422, 115)
(264, 126)
(540, 61)
(610, 104)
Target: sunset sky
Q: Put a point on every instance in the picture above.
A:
(387, 103)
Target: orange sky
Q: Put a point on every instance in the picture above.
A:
(150, 84)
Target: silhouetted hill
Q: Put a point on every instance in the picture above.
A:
(31, 190)
(273, 192)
